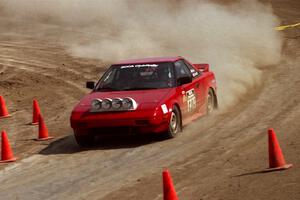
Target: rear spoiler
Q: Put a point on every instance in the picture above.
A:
(202, 67)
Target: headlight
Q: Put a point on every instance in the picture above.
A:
(106, 104)
(127, 103)
(96, 104)
(116, 103)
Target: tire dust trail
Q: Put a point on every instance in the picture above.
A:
(205, 161)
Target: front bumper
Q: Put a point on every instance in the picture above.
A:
(126, 123)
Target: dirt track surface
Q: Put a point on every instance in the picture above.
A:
(214, 159)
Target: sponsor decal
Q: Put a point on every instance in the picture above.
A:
(195, 74)
(127, 66)
(147, 65)
(138, 66)
(164, 108)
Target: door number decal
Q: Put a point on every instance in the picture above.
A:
(191, 100)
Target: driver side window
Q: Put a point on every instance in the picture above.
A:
(181, 69)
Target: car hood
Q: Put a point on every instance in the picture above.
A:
(146, 99)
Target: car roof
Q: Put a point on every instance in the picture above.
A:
(150, 60)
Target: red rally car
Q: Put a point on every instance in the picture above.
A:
(151, 95)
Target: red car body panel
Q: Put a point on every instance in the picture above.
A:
(148, 116)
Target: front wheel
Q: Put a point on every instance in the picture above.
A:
(174, 123)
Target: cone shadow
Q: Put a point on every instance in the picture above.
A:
(265, 171)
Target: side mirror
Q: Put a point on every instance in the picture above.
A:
(184, 80)
(90, 84)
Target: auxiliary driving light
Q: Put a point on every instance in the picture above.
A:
(127, 103)
(106, 104)
(96, 104)
(116, 103)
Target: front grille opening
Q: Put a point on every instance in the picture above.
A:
(82, 125)
(123, 130)
(142, 122)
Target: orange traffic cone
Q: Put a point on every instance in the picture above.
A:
(35, 112)
(6, 152)
(3, 110)
(169, 190)
(276, 159)
(43, 131)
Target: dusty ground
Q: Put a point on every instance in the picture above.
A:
(213, 159)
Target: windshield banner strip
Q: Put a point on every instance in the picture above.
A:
(139, 65)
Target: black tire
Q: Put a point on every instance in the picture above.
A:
(210, 102)
(84, 140)
(175, 124)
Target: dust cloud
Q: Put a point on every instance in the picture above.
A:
(237, 39)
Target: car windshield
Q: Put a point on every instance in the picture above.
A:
(137, 77)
